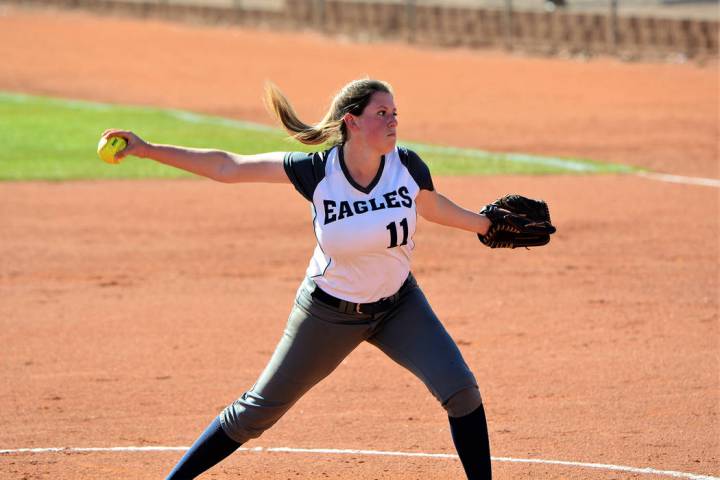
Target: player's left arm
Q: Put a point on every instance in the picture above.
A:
(437, 208)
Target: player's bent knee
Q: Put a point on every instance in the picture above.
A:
(463, 402)
(250, 415)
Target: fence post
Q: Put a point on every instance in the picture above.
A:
(508, 24)
(410, 13)
(320, 15)
(612, 25)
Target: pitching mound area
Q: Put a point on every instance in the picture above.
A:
(131, 312)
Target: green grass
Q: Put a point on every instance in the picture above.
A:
(53, 139)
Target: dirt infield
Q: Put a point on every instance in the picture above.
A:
(131, 312)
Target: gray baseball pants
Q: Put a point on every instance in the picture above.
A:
(318, 337)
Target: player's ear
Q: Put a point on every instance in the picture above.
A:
(350, 121)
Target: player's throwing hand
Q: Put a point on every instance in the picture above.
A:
(135, 145)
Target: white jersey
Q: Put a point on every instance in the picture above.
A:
(364, 234)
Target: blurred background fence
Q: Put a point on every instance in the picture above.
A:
(628, 28)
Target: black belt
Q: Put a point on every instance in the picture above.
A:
(343, 306)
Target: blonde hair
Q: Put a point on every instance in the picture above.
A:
(352, 98)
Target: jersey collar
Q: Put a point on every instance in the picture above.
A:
(351, 181)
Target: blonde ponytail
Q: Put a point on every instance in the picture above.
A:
(353, 98)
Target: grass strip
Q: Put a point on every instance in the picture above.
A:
(55, 139)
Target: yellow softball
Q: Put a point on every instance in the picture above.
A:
(107, 148)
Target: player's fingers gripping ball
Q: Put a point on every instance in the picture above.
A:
(109, 147)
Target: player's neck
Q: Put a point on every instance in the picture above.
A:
(361, 162)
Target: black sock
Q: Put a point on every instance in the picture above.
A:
(211, 447)
(470, 435)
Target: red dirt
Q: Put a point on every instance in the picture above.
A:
(132, 312)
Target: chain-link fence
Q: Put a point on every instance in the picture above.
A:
(643, 28)
(695, 9)
(626, 27)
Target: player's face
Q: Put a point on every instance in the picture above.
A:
(378, 123)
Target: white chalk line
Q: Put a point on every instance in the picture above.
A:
(332, 451)
(560, 163)
(664, 177)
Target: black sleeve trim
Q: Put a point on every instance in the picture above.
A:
(417, 168)
(305, 171)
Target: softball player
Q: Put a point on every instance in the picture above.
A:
(365, 194)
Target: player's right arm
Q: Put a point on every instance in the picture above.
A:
(219, 165)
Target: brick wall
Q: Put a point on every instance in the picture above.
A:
(446, 26)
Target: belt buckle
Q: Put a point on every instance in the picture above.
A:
(357, 309)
